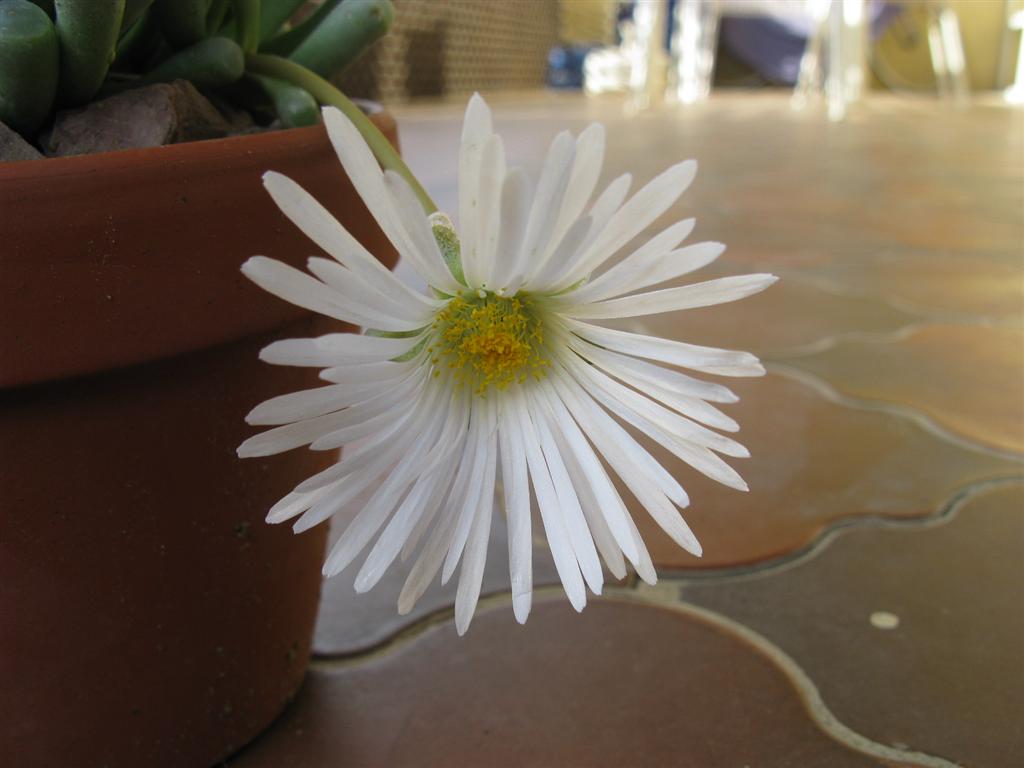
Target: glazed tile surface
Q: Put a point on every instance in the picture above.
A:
(966, 378)
(913, 635)
(862, 604)
(795, 316)
(813, 463)
(351, 622)
(621, 684)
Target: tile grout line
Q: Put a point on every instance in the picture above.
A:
(668, 595)
(942, 514)
(804, 687)
(905, 412)
(674, 580)
(926, 315)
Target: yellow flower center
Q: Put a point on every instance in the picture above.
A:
(489, 340)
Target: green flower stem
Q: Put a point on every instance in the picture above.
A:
(325, 93)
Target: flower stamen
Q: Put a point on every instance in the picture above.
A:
(490, 340)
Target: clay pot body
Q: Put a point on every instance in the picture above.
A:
(148, 615)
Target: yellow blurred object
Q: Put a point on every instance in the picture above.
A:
(902, 59)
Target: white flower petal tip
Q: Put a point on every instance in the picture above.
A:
(499, 384)
(648, 575)
(521, 605)
(578, 603)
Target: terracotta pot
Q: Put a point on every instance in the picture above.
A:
(148, 615)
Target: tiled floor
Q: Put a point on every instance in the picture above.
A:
(863, 605)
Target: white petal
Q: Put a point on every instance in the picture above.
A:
(674, 264)
(365, 373)
(335, 349)
(547, 500)
(626, 455)
(516, 194)
(438, 542)
(308, 403)
(547, 201)
(611, 282)
(632, 218)
(692, 407)
(610, 551)
(362, 294)
(478, 264)
(608, 202)
(424, 256)
(632, 369)
(472, 573)
(568, 508)
(302, 290)
(516, 490)
(451, 442)
(567, 251)
(667, 431)
(645, 567)
(608, 503)
(586, 168)
(650, 497)
(281, 439)
(600, 214)
(481, 476)
(706, 294)
(723, 362)
(662, 391)
(397, 532)
(324, 230)
(380, 506)
(368, 180)
(342, 494)
(476, 129)
(295, 504)
(382, 448)
(605, 389)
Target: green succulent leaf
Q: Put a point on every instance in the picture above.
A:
(210, 63)
(343, 35)
(287, 41)
(29, 65)
(293, 105)
(273, 15)
(87, 31)
(183, 22)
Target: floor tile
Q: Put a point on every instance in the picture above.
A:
(349, 622)
(783, 187)
(912, 635)
(813, 463)
(937, 284)
(967, 379)
(619, 685)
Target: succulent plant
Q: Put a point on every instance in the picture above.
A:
(57, 54)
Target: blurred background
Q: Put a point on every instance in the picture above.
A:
(680, 49)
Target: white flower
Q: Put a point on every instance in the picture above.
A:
(498, 380)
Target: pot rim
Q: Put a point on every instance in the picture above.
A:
(120, 258)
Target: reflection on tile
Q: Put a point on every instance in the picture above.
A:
(913, 636)
(349, 622)
(937, 284)
(965, 378)
(618, 685)
(790, 316)
(813, 463)
(781, 187)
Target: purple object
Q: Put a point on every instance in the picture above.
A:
(773, 45)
